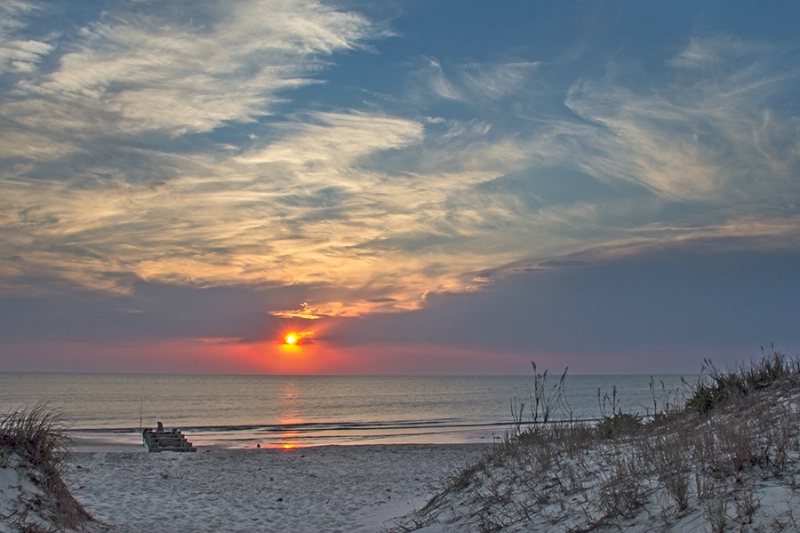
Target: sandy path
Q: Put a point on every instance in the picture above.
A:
(326, 489)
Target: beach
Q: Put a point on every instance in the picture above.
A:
(727, 459)
(320, 489)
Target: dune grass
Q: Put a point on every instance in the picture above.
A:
(34, 441)
(737, 383)
(36, 435)
(697, 464)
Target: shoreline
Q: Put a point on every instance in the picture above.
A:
(319, 488)
(130, 441)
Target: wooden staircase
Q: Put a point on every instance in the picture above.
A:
(166, 440)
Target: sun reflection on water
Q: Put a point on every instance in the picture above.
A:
(288, 440)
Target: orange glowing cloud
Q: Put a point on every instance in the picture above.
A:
(304, 312)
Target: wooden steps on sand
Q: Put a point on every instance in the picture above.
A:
(166, 440)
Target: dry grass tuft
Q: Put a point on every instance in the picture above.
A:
(36, 435)
(34, 442)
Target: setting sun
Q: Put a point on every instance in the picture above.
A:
(298, 338)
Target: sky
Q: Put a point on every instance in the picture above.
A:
(408, 186)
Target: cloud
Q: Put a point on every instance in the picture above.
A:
(360, 200)
(303, 312)
(22, 56)
(474, 83)
(179, 150)
(148, 311)
(130, 72)
(692, 140)
(497, 80)
(215, 341)
(437, 82)
(17, 53)
(104, 193)
(718, 51)
(21, 146)
(632, 302)
(336, 139)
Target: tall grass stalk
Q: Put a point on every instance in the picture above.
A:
(543, 401)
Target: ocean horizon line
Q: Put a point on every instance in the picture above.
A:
(210, 374)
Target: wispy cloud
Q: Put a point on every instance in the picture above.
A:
(76, 126)
(336, 140)
(19, 53)
(718, 51)
(130, 72)
(699, 138)
(265, 161)
(498, 79)
(474, 82)
(160, 148)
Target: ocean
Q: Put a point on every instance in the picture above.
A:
(295, 411)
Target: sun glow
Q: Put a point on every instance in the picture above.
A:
(298, 338)
(295, 351)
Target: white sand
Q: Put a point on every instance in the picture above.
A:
(14, 483)
(325, 489)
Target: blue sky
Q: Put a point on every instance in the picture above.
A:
(420, 187)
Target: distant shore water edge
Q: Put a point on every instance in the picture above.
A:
(108, 411)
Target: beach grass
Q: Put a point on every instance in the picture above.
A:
(36, 435)
(721, 387)
(34, 442)
(724, 455)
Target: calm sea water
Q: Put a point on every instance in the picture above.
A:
(288, 411)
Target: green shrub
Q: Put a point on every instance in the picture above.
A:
(716, 388)
(619, 424)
